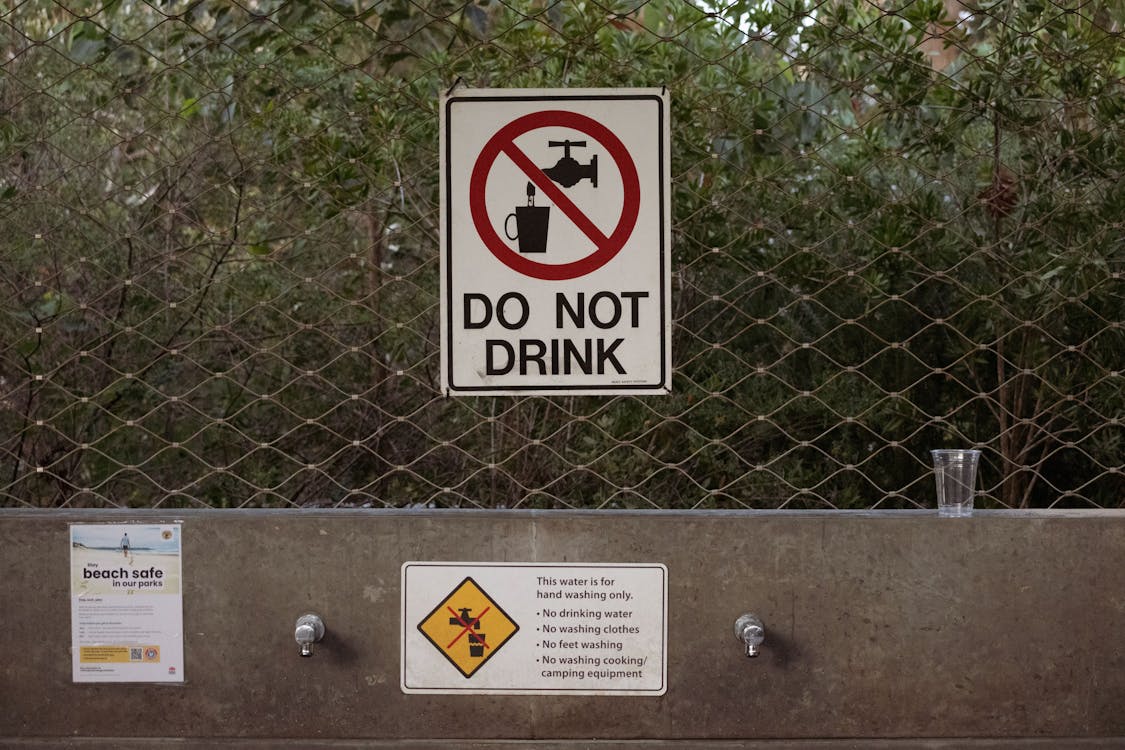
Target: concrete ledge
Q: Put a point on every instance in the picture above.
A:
(1004, 627)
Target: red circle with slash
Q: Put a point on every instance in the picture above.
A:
(606, 246)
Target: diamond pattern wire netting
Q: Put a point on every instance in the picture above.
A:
(897, 226)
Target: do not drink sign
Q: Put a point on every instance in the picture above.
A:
(555, 232)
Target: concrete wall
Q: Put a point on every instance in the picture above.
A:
(892, 625)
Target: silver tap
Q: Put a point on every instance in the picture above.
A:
(310, 629)
(750, 630)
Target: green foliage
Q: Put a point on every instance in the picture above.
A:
(221, 261)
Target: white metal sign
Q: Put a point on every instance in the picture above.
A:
(534, 628)
(555, 227)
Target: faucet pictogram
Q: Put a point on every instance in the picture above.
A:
(532, 221)
(476, 640)
(567, 171)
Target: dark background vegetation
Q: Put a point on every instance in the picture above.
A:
(897, 226)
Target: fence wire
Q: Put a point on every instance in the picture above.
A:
(897, 227)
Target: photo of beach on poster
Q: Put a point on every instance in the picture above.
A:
(126, 602)
(125, 558)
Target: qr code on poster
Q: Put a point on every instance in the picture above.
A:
(136, 654)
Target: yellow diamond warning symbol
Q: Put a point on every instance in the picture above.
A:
(468, 627)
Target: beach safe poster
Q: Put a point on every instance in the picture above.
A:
(126, 610)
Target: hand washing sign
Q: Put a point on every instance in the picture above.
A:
(555, 242)
(534, 628)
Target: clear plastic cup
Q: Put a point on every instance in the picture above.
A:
(956, 475)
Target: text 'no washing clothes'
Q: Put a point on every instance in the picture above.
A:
(555, 242)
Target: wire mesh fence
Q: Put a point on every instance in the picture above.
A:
(897, 226)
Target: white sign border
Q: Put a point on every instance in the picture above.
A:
(469, 690)
(664, 386)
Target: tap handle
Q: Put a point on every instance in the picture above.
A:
(566, 146)
(309, 630)
(750, 630)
